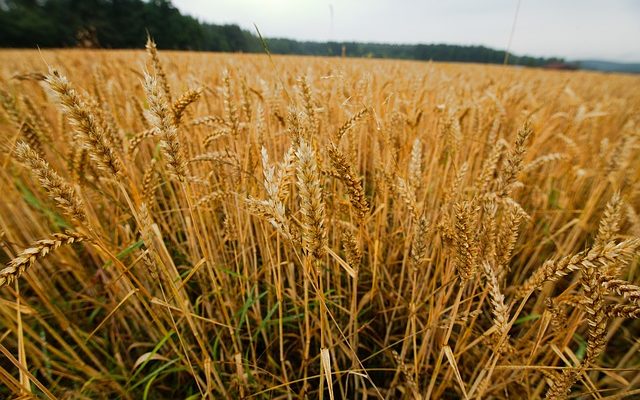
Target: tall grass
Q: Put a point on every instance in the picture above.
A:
(182, 225)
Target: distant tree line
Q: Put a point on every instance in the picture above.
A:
(125, 23)
(435, 52)
(112, 24)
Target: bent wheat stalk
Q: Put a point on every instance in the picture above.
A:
(38, 250)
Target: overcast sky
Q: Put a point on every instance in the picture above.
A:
(573, 29)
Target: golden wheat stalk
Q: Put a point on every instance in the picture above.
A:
(152, 50)
(487, 177)
(408, 196)
(507, 236)
(415, 165)
(498, 308)
(560, 384)
(273, 208)
(465, 239)
(179, 106)
(309, 107)
(149, 183)
(25, 124)
(542, 160)
(623, 289)
(623, 311)
(314, 232)
(230, 108)
(513, 162)
(351, 250)
(38, 250)
(162, 120)
(610, 222)
(87, 128)
(598, 256)
(345, 172)
(419, 245)
(58, 189)
(139, 137)
(350, 123)
(596, 315)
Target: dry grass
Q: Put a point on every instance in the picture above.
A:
(305, 227)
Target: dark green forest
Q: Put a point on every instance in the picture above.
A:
(125, 23)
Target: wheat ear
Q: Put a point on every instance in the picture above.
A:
(314, 233)
(610, 222)
(346, 173)
(350, 123)
(624, 289)
(465, 239)
(162, 120)
(622, 311)
(38, 250)
(600, 255)
(513, 163)
(180, 105)
(58, 189)
(499, 310)
(86, 126)
(152, 50)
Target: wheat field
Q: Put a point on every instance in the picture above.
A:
(181, 225)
